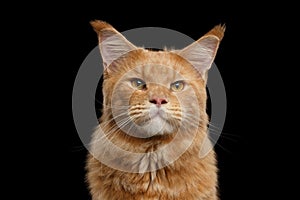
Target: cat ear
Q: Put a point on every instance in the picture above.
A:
(202, 52)
(112, 44)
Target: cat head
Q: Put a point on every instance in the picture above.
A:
(151, 93)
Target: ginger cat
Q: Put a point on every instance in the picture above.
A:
(153, 121)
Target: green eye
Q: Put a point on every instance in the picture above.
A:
(177, 86)
(138, 84)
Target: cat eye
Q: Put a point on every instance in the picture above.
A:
(177, 86)
(138, 84)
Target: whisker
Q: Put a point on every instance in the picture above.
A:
(110, 107)
(112, 130)
(216, 143)
(103, 125)
(114, 118)
(100, 102)
(78, 148)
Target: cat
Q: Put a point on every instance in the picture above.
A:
(153, 121)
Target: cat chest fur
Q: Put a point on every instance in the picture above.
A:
(181, 180)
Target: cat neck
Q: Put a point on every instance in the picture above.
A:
(172, 181)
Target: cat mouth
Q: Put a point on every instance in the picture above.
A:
(157, 114)
(153, 116)
(153, 121)
(156, 122)
(154, 113)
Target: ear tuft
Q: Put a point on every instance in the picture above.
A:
(99, 25)
(217, 31)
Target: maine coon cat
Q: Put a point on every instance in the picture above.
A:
(153, 122)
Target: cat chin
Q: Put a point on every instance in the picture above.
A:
(158, 126)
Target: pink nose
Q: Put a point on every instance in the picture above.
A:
(158, 101)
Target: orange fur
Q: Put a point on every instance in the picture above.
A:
(188, 177)
(100, 25)
(217, 31)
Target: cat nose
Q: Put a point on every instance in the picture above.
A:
(158, 101)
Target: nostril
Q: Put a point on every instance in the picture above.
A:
(158, 101)
(153, 101)
(163, 101)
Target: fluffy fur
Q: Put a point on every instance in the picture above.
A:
(182, 124)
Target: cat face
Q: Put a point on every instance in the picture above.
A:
(155, 93)
(155, 97)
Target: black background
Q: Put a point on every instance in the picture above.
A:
(248, 157)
